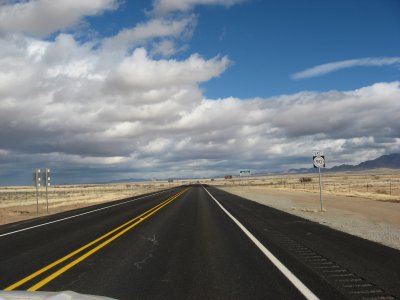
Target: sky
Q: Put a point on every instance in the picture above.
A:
(100, 90)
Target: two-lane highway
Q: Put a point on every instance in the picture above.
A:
(185, 243)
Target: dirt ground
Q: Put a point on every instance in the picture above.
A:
(20, 203)
(380, 184)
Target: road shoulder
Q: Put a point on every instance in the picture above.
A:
(373, 220)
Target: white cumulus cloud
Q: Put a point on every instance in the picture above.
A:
(147, 115)
(111, 109)
(140, 71)
(43, 17)
(151, 29)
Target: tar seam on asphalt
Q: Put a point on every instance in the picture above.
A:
(345, 280)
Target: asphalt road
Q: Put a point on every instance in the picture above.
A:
(180, 244)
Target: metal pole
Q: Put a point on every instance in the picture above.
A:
(37, 200)
(47, 197)
(320, 189)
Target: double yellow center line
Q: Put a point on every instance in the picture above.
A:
(111, 235)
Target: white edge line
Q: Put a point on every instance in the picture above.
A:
(78, 215)
(285, 271)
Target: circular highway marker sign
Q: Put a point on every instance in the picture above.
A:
(319, 161)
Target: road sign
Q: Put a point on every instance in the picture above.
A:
(36, 177)
(318, 153)
(244, 173)
(46, 182)
(319, 161)
(45, 177)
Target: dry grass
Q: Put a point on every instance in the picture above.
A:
(19, 202)
(381, 185)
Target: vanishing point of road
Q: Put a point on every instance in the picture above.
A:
(193, 242)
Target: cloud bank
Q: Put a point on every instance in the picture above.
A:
(345, 64)
(107, 109)
(43, 17)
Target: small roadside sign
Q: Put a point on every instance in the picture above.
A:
(318, 153)
(243, 173)
(45, 177)
(319, 161)
(36, 177)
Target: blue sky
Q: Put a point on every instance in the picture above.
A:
(267, 41)
(184, 88)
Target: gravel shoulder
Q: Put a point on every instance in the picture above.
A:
(377, 221)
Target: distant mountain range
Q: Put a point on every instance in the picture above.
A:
(391, 161)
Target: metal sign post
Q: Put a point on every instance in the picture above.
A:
(46, 182)
(320, 190)
(41, 177)
(319, 162)
(36, 182)
(37, 200)
(47, 197)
